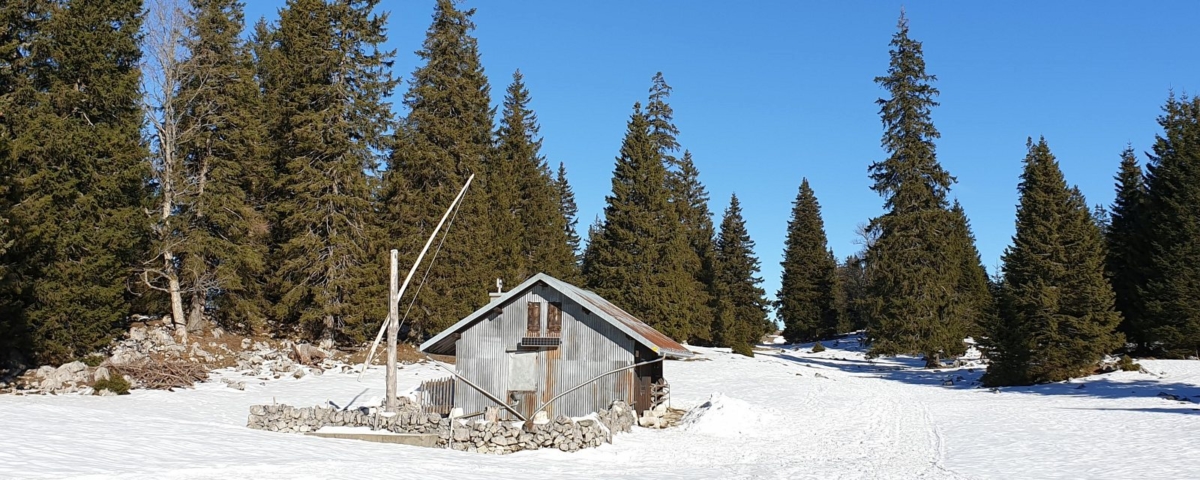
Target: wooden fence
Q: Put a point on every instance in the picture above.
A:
(437, 396)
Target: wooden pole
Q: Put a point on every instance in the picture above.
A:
(411, 271)
(393, 330)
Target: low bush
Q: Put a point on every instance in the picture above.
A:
(743, 348)
(94, 360)
(115, 383)
(818, 348)
(1128, 365)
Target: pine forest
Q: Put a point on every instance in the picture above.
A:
(179, 159)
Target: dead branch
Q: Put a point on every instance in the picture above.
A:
(163, 375)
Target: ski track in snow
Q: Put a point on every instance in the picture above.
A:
(775, 418)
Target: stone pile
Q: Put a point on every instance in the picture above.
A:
(654, 417)
(218, 350)
(74, 377)
(285, 418)
(67, 378)
(501, 437)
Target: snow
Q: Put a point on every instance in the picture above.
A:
(787, 413)
(723, 416)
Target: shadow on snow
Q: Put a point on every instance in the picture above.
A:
(910, 370)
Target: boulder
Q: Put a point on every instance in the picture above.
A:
(137, 334)
(45, 371)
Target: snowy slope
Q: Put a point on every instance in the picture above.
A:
(784, 414)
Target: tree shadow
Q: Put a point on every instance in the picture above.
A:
(909, 370)
(1182, 410)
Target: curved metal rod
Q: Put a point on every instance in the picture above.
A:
(480, 390)
(577, 387)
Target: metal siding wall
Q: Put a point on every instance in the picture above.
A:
(483, 354)
(590, 347)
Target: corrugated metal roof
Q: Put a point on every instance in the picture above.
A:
(443, 343)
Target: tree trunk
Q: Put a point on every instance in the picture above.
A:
(173, 289)
(196, 320)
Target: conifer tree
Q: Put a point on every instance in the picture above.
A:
(690, 200)
(635, 262)
(328, 84)
(22, 21)
(226, 169)
(974, 293)
(661, 117)
(853, 284)
(1057, 317)
(506, 170)
(526, 201)
(595, 244)
(1126, 246)
(570, 212)
(79, 164)
(446, 137)
(807, 298)
(911, 266)
(742, 305)
(1171, 294)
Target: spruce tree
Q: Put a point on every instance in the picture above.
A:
(1126, 246)
(853, 285)
(530, 227)
(661, 117)
(911, 266)
(974, 293)
(1171, 293)
(690, 199)
(22, 21)
(742, 305)
(446, 137)
(807, 298)
(328, 84)
(595, 244)
(506, 172)
(1057, 317)
(224, 252)
(79, 163)
(635, 262)
(570, 212)
(687, 195)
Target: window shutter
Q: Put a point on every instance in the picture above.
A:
(534, 325)
(554, 319)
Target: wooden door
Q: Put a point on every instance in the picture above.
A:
(643, 400)
(522, 382)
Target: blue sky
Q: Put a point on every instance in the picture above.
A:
(769, 92)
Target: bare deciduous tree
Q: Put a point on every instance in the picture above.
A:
(171, 119)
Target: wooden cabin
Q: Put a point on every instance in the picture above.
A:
(546, 337)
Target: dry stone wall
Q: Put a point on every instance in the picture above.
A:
(502, 437)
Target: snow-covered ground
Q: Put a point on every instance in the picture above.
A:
(784, 414)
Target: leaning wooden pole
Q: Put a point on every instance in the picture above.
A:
(393, 330)
(411, 271)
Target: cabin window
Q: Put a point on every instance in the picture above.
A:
(554, 319)
(533, 327)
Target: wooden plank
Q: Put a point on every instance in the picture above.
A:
(533, 326)
(554, 320)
